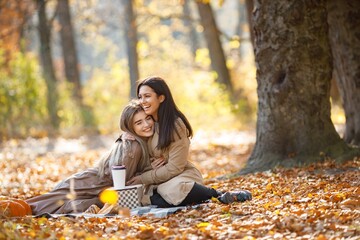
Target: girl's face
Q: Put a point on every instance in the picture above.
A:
(143, 124)
(150, 101)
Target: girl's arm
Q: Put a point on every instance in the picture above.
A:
(132, 159)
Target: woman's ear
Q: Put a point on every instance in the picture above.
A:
(162, 98)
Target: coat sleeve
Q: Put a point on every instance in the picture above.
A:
(132, 159)
(177, 160)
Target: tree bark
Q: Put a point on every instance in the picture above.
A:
(216, 52)
(344, 35)
(293, 59)
(131, 38)
(47, 65)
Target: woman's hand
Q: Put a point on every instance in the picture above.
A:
(158, 162)
(134, 181)
(127, 136)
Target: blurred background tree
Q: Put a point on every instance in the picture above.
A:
(68, 67)
(131, 40)
(92, 52)
(216, 52)
(203, 49)
(48, 70)
(344, 32)
(71, 64)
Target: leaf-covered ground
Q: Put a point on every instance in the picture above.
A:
(315, 202)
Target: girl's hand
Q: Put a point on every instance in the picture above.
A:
(158, 162)
(134, 181)
(127, 136)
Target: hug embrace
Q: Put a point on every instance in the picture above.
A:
(154, 147)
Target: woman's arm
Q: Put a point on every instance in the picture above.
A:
(177, 161)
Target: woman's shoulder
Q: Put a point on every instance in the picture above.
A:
(179, 124)
(180, 128)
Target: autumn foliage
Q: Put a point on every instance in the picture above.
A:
(320, 201)
(12, 20)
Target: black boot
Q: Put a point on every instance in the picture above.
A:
(238, 196)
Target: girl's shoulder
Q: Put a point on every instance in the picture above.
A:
(130, 144)
(134, 143)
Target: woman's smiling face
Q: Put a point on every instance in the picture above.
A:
(143, 124)
(150, 101)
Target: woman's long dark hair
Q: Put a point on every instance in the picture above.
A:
(168, 111)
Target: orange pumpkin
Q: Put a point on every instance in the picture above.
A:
(24, 204)
(9, 208)
(20, 201)
(14, 208)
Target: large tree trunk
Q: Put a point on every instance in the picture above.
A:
(344, 35)
(47, 65)
(216, 52)
(71, 64)
(130, 29)
(294, 70)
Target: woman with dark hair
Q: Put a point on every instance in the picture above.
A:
(81, 190)
(173, 181)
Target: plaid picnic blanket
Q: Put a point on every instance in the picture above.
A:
(139, 211)
(154, 211)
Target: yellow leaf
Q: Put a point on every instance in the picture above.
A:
(266, 205)
(42, 220)
(225, 208)
(109, 196)
(321, 237)
(32, 233)
(202, 224)
(90, 238)
(268, 187)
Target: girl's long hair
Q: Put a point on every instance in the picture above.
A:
(168, 111)
(122, 148)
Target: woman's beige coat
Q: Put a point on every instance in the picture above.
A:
(176, 178)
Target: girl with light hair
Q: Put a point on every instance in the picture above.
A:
(81, 190)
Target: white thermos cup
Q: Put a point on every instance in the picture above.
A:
(119, 176)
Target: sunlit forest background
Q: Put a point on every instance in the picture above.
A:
(303, 177)
(164, 47)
